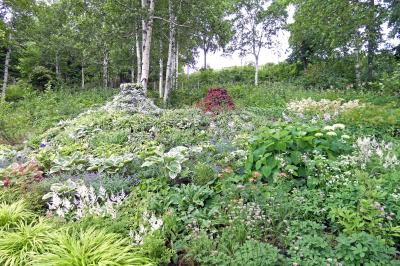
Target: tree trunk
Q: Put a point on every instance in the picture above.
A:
(105, 68)
(147, 25)
(372, 36)
(58, 69)
(357, 65)
(176, 65)
(170, 63)
(205, 58)
(256, 74)
(303, 55)
(133, 65)
(5, 78)
(138, 57)
(83, 75)
(161, 74)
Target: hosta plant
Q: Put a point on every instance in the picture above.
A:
(170, 162)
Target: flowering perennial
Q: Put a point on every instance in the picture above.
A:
(322, 109)
(76, 200)
(150, 224)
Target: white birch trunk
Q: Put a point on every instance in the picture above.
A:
(171, 45)
(133, 65)
(58, 69)
(105, 68)
(147, 32)
(176, 65)
(138, 57)
(256, 74)
(5, 78)
(161, 74)
(83, 75)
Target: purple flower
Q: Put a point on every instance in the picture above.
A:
(43, 144)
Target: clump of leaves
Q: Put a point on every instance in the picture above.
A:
(12, 214)
(283, 149)
(170, 162)
(203, 174)
(29, 171)
(364, 249)
(89, 247)
(16, 246)
(217, 100)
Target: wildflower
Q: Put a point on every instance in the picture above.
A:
(331, 134)
(319, 135)
(339, 126)
(345, 137)
(329, 128)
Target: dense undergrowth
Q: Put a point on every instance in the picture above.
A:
(290, 177)
(33, 112)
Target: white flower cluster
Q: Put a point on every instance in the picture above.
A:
(250, 214)
(323, 105)
(150, 224)
(323, 109)
(331, 131)
(368, 148)
(78, 200)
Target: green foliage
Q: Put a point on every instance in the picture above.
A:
(89, 247)
(256, 253)
(170, 162)
(41, 78)
(13, 214)
(17, 92)
(18, 245)
(33, 115)
(278, 150)
(364, 249)
(203, 174)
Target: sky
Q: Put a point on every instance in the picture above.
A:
(217, 60)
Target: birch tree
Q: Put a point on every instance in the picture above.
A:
(171, 48)
(16, 25)
(147, 29)
(256, 23)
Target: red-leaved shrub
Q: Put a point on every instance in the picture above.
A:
(217, 100)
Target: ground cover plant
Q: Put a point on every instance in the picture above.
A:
(305, 182)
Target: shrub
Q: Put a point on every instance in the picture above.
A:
(89, 247)
(217, 100)
(282, 149)
(41, 78)
(364, 249)
(17, 92)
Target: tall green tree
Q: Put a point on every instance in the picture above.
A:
(256, 24)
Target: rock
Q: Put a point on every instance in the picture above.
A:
(133, 100)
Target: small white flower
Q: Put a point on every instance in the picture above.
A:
(329, 128)
(319, 135)
(331, 133)
(339, 126)
(345, 137)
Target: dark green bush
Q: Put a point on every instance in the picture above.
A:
(16, 92)
(41, 78)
